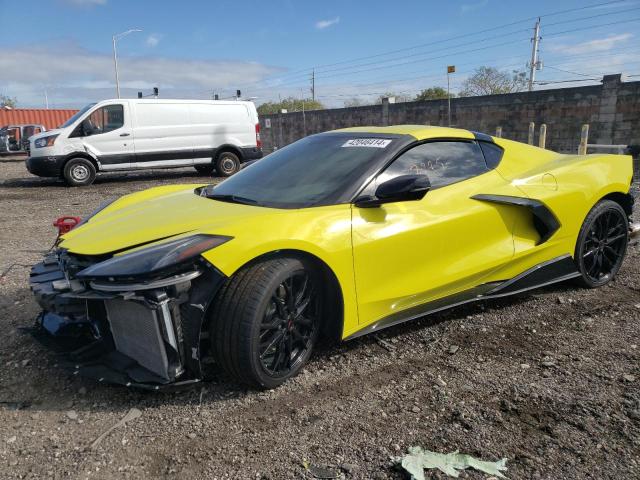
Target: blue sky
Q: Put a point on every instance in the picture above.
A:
(190, 49)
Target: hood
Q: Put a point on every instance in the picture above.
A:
(157, 214)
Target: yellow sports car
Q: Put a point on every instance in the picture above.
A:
(334, 236)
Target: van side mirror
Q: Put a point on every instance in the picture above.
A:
(398, 189)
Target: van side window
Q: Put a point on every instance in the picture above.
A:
(103, 120)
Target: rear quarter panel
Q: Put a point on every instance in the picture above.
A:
(570, 185)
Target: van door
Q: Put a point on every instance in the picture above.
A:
(106, 134)
(163, 135)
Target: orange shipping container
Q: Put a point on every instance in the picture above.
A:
(49, 118)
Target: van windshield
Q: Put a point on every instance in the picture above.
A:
(72, 120)
(314, 171)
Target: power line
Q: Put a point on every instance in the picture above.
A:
(306, 71)
(391, 52)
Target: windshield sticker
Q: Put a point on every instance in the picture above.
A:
(367, 142)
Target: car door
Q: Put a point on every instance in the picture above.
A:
(409, 253)
(106, 134)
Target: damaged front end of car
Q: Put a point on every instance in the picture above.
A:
(133, 318)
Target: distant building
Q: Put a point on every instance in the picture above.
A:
(50, 118)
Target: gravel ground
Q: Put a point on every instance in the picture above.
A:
(550, 380)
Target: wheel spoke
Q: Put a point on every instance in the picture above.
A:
(277, 338)
(285, 334)
(610, 240)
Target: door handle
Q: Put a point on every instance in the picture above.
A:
(125, 134)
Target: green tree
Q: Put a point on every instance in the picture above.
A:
(491, 81)
(6, 101)
(433, 93)
(291, 104)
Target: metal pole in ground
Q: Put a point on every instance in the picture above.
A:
(499, 132)
(584, 139)
(543, 136)
(532, 132)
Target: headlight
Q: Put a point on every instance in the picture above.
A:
(45, 141)
(148, 261)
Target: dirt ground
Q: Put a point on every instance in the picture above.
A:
(549, 380)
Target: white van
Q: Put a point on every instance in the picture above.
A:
(137, 134)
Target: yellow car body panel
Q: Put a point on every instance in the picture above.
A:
(394, 257)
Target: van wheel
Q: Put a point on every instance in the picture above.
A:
(227, 164)
(204, 169)
(79, 172)
(266, 320)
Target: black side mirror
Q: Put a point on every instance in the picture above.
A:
(398, 189)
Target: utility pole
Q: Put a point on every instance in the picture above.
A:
(534, 64)
(313, 84)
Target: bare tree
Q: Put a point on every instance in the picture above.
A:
(491, 81)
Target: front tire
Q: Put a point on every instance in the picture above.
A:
(266, 321)
(602, 244)
(227, 163)
(79, 172)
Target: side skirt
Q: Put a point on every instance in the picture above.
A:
(553, 271)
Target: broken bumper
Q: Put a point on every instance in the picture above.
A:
(146, 334)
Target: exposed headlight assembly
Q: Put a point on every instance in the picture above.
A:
(45, 141)
(151, 260)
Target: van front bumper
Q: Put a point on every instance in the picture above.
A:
(45, 166)
(147, 335)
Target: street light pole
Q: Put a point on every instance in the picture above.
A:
(115, 38)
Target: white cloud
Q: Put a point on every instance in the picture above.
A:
(80, 76)
(322, 24)
(598, 45)
(153, 40)
(85, 3)
(470, 7)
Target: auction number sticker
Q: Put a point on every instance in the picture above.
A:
(367, 142)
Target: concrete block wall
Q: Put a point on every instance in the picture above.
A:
(612, 110)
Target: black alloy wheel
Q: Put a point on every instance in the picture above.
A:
(266, 320)
(289, 325)
(602, 243)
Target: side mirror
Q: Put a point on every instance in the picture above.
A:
(398, 189)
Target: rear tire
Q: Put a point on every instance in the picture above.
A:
(79, 172)
(266, 321)
(602, 244)
(227, 163)
(204, 169)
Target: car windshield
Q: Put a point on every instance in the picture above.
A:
(314, 171)
(77, 116)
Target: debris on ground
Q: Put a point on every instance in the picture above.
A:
(417, 460)
(130, 416)
(318, 472)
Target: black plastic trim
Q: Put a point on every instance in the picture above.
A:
(545, 222)
(553, 271)
(482, 136)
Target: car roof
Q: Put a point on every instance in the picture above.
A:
(420, 132)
